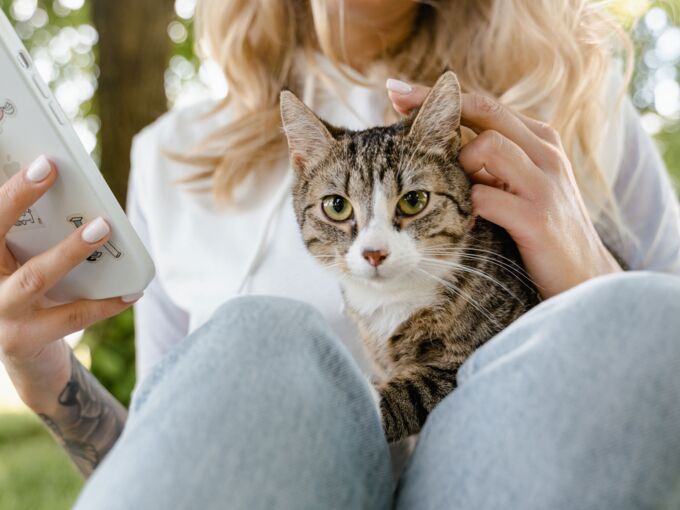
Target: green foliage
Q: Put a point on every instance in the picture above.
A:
(669, 143)
(112, 347)
(185, 48)
(61, 64)
(35, 473)
(649, 66)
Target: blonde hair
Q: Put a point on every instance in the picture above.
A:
(544, 58)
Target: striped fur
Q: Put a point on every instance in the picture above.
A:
(449, 282)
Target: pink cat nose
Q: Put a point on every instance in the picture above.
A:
(375, 257)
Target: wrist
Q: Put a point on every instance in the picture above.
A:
(606, 262)
(40, 380)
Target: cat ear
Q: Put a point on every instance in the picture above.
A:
(308, 138)
(437, 123)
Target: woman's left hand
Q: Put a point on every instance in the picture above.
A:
(523, 181)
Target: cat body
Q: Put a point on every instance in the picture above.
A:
(388, 210)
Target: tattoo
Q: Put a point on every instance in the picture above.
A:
(89, 420)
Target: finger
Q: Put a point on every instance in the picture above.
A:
(484, 177)
(481, 113)
(43, 271)
(8, 263)
(503, 159)
(404, 96)
(62, 320)
(23, 190)
(541, 129)
(502, 208)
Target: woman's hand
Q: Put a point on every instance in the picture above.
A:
(31, 327)
(523, 181)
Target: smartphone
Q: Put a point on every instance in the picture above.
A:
(32, 123)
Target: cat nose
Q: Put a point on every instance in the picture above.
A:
(375, 257)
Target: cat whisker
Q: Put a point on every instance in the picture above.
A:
(515, 270)
(526, 282)
(505, 261)
(456, 290)
(470, 270)
(510, 261)
(471, 248)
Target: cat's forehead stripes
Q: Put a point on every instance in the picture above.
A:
(373, 155)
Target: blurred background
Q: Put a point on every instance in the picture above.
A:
(97, 55)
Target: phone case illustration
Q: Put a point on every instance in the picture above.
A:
(7, 109)
(30, 217)
(97, 254)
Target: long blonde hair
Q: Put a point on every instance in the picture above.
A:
(535, 56)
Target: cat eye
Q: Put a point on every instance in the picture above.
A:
(413, 202)
(337, 208)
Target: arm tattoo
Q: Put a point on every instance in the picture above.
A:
(89, 420)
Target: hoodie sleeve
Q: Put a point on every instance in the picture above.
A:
(647, 199)
(159, 323)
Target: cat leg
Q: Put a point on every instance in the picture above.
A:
(407, 398)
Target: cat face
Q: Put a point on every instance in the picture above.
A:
(376, 205)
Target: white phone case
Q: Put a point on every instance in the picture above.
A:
(31, 124)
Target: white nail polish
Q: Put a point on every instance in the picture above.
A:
(38, 170)
(131, 298)
(95, 230)
(398, 86)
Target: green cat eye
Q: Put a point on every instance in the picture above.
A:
(337, 208)
(413, 202)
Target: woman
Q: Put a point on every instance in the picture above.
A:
(262, 406)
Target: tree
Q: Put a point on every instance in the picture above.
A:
(133, 54)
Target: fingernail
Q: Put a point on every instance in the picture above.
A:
(95, 230)
(38, 170)
(131, 298)
(398, 86)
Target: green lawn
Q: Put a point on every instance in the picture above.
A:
(35, 474)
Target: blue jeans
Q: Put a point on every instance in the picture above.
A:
(575, 406)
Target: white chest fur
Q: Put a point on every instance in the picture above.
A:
(382, 309)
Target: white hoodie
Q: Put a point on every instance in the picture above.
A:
(205, 255)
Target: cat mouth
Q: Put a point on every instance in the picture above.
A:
(374, 277)
(380, 278)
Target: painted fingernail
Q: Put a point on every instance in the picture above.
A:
(95, 230)
(131, 298)
(39, 169)
(398, 86)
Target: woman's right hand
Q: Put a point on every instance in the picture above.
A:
(31, 326)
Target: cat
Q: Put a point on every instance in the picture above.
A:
(388, 210)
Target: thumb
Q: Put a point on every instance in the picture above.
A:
(404, 96)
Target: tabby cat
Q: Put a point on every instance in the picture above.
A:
(388, 209)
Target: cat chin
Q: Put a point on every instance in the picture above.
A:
(372, 293)
(384, 307)
(379, 282)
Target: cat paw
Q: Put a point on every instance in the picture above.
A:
(376, 398)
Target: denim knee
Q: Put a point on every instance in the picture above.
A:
(634, 288)
(614, 314)
(582, 390)
(257, 331)
(268, 324)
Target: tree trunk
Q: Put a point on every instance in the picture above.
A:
(133, 53)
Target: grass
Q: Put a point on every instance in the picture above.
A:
(35, 474)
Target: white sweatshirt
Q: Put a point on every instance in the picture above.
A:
(205, 255)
